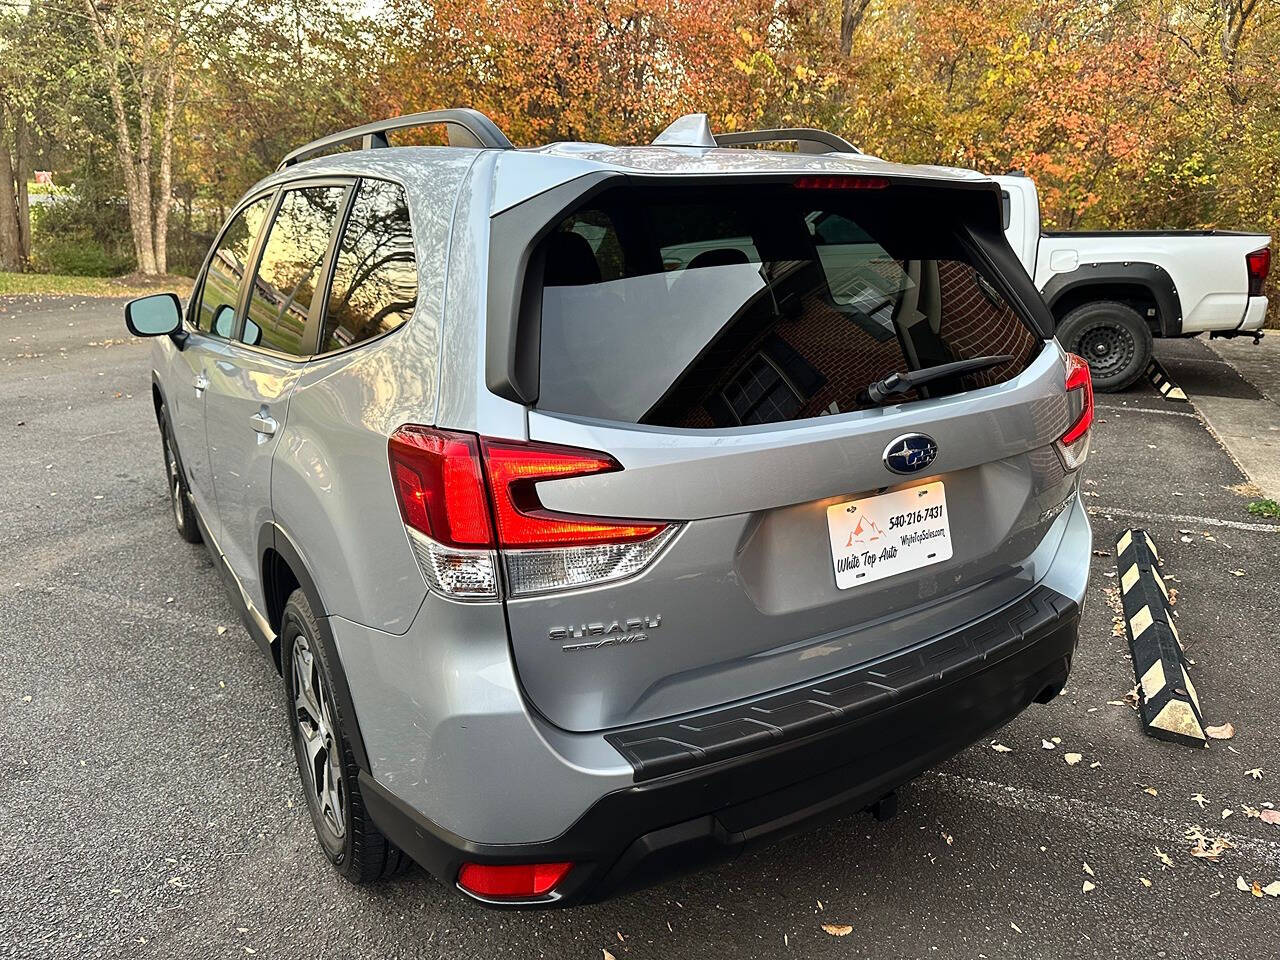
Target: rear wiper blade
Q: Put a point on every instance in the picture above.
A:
(897, 384)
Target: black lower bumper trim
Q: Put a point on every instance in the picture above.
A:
(716, 809)
(658, 749)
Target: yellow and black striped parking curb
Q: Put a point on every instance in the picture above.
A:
(1166, 696)
(1157, 374)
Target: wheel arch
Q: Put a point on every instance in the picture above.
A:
(284, 570)
(1143, 286)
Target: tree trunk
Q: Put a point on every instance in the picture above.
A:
(135, 167)
(851, 14)
(164, 178)
(23, 169)
(10, 242)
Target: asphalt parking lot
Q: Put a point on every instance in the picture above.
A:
(149, 805)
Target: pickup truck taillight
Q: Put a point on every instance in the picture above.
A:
(1258, 264)
(1073, 446)
(468, 501)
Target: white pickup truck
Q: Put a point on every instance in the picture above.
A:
(1112, 292)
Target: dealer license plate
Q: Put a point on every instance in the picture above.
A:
(878, 537)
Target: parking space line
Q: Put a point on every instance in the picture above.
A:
(1184, 518)
(1138, 824)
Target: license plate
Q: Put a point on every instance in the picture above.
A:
(878, 537)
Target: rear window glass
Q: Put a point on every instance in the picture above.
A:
(727, 307)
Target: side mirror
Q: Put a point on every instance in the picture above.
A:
(252, 333)
(154, 316)
(224, 321)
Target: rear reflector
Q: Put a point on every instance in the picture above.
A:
(841, 182)
(511, 880)
(463, 498)
(1258, 265)
(1073, 446)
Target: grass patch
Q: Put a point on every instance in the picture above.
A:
(1265, 508)
(56, 284)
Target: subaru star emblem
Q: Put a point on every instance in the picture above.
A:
(910, 453)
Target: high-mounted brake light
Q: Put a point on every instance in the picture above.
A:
(514, 880)
(465, 500)
(1258, 265)
(1073, 446)
(841, 182)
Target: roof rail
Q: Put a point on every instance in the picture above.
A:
(465, 127)
(806, 139)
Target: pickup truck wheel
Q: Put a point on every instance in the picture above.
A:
(1113, 338)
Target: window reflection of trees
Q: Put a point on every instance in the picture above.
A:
(375, 276)
(290, 267)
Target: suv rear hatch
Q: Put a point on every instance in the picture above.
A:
(717, 340)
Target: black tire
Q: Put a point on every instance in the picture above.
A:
(1113, 338)
(181, 506)
(348, 837)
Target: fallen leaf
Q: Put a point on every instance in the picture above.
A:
(1086, 887)
(221, 631)
(1241, 885)
(837, 929)
(1001, 748)
(1163, 857)
(1072, 759)
(1224, 731)
(948, 837)
(1045, 744)
(607, 954)
(1256, 773)
(1256, 889)
(1272, 889)
(1200, 799)
(1095, 765)
(1270, 816)
(1144, 881)
(1015, 926)
(1227, 813)
(1151, 790)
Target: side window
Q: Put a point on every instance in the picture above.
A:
(375, 276)
(289, 270)
(222, 284)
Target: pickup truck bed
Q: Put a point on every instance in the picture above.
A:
(1111, 292)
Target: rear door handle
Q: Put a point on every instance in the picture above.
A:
(264, 425)
(201, 384)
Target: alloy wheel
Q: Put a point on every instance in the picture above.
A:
(314, 725)
(175, 485)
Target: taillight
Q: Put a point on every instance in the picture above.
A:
(1073, 446)
(511, 880)
(841, 181)
(1258, 265)
(467, 500)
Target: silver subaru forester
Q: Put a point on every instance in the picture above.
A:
(607, 509)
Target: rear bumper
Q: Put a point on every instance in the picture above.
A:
(731, 791)
(1255, 314)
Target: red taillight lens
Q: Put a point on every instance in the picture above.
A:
(841, 182)
(1258, 265)
(514, 471)
(1078, 378)
(440, 485)
(511, 880)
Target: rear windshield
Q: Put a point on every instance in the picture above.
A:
(727, 306)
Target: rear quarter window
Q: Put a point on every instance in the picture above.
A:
(727, 307)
